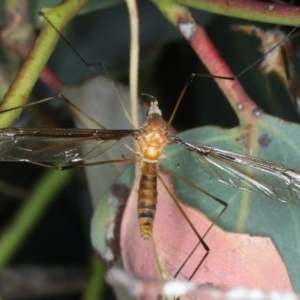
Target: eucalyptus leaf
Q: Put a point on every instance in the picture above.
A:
(247, 212)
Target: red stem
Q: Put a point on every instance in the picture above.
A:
(241, 103)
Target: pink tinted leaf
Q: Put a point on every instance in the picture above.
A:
(234, 259)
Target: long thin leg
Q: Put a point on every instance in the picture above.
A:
(199, 237)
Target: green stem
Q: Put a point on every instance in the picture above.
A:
(20, 89)
(26, 218)
(95, 285)
(250, 10)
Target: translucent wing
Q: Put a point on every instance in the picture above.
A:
(245, 172)
(58, 147)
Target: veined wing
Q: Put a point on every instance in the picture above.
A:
(58, 147)
(245, 172)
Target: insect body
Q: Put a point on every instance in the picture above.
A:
(71, 147)
(151, 143)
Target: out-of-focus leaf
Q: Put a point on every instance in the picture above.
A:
(105, 227)
(97, 99)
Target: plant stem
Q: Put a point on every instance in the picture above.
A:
(20, 89)
(45, 192)
(279, 14)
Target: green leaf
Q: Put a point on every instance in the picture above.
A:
(247, 212)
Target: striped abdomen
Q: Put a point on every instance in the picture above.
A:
(147, 197)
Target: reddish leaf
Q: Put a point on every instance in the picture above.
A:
(234, 259)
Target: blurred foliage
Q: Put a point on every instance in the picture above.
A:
(101, 34)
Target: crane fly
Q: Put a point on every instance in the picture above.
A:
(70, 147)
(64, 148)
